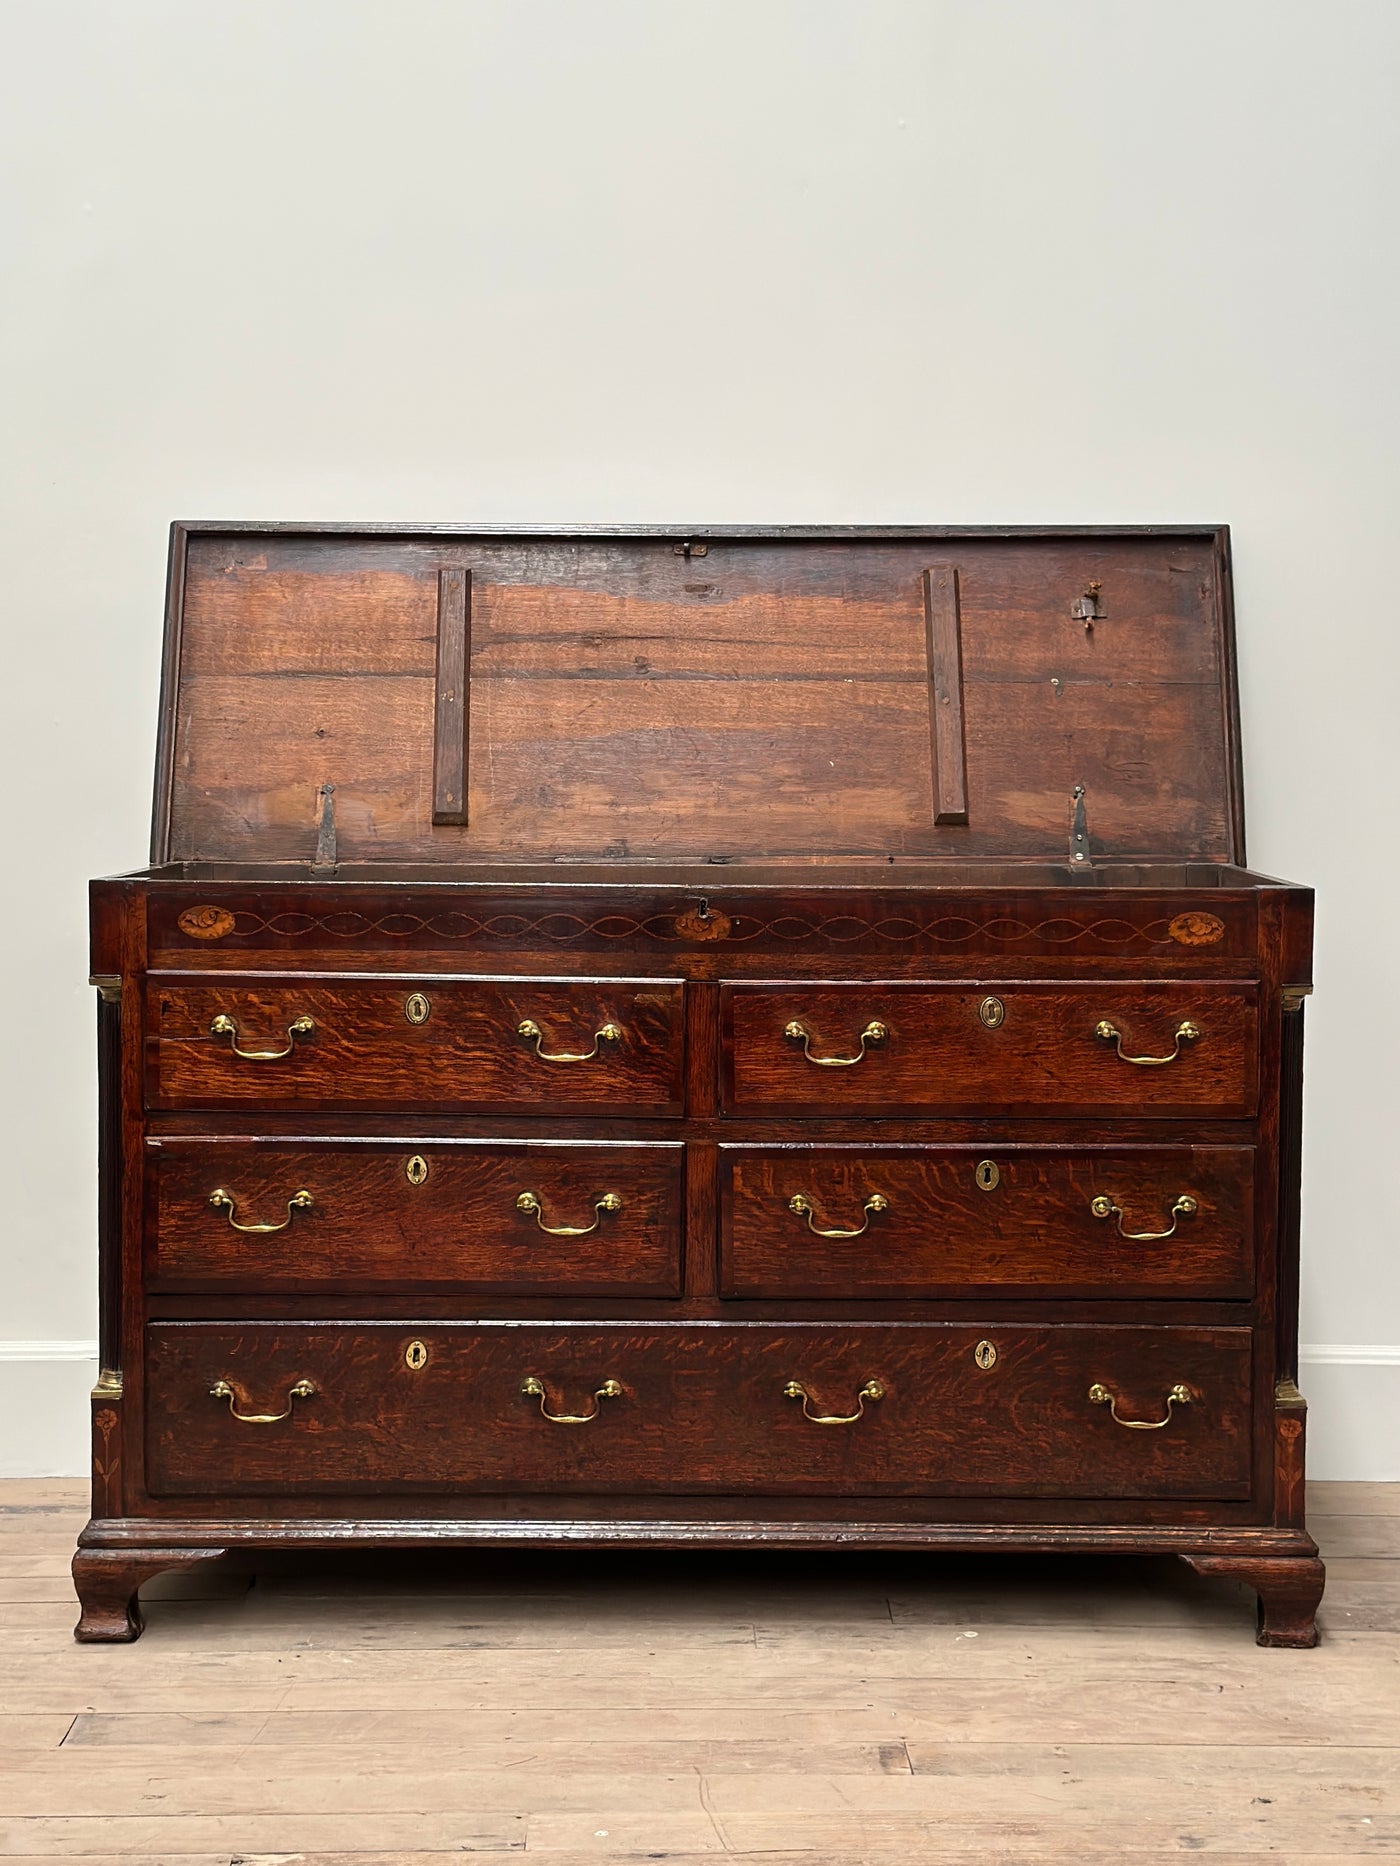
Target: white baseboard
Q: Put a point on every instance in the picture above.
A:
(44, 1418)
(1353, 1395)
(1352, 1390)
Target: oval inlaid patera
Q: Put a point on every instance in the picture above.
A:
(1196, 929)
(693, 924)
(206, 922)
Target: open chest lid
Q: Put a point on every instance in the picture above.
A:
(459, 696)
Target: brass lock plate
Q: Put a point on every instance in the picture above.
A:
(416, 1171)
(988, 1175)
(992, 1012)
(985, 1355)
(415, 1355)
(417, 1009)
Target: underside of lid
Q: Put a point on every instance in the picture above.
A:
(445, 695)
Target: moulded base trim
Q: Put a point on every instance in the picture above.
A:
(790, 1532)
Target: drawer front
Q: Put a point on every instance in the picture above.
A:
(549, 1045)
(947, 1409)
(1171, 1048)
(851, 1221)
(598, 1218)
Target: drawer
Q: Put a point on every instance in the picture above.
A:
(524, 1217)
(550, 1045)
(949, 1409)
(855, 1221)
(1168, 1048)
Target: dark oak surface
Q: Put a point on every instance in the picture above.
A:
(701, 1410)
(1005, 1219)
(699, 785)
(374, 1225)
(468, 1053)
(1196, 918)
(1043, 1056)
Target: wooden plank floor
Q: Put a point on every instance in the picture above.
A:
(799, 1711)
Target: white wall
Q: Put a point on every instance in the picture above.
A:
(753, 260)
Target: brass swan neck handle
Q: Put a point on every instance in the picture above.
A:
(299, 1202)
(222, 1390)
(1104, 1207)
(529, 1202)
(802, 1206)
(532, 1387)
(1178, 1396)
(530, 1031)
(224, 1026)
(1186, 1032)
(872, 1390)
(874, 1033)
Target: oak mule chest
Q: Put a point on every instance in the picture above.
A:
(645, 1037)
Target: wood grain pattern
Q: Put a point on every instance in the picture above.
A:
(110, 1166)
(1033, 1232)
(700, 1411)
(107, 1585)
(962, 920)
(308, 729)
(372, 1229)
(944, 626)
(1107, 1710)
(1043, 1057)
(1288, 1591)
(452, 696)
(364, 1052)
(772, 699)
(714, 761)
(1239, 1523)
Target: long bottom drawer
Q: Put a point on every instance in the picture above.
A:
(909, 1409)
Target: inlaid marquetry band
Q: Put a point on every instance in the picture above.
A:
(1196, 929)
(840, 932)
(206, 922)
